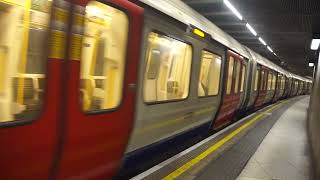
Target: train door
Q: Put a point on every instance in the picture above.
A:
(262, 87)
(270, 90)
(290, 87)
(286, 87)
(30, 94)
(243, 76)
(282, 81)
(254, 86)
(100, 84)
(300, 87)
(231, 96)
(277, 90)
(294, 84)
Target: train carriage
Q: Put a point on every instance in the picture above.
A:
(91, 87)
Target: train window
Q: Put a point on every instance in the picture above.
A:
(265, 80)
(230, 74)
(262, 80)
(282, 82)
(269, 81)
(279, 81)
(236, 86)
(209, 78)
(243, 78)
(256, 80)
(103, 57)
(167, 74)
(274, 77)
(23, 58)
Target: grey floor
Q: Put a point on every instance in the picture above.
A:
(283, 154)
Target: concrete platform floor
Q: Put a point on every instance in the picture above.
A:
(284, 153)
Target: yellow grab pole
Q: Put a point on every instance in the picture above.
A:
(24, 50)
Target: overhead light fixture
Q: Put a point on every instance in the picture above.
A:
(262, 41)
(251, 29)
(315, 44)
(269, 48)
(274, 54)
(93, 11)
(233, 9)
(311, 64)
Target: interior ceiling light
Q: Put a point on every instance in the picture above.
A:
(251, 29)
(311, 64)
(262, 41)
(269, 48)
(233, 9)
(315, 44)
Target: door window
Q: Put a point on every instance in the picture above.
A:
(230, 74)
(104, 47)
(274, 77)
(282, 82)
(262, 80)
(209, 78)
(256, 80)
(237, 76)
(23, 58)
(167, 74)
(269, 81)
(243, 77)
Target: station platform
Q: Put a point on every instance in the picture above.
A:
(267, 145)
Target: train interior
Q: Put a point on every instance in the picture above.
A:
(101, 68)
(22, 58)
(168, 69)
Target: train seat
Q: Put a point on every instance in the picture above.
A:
(30, 101)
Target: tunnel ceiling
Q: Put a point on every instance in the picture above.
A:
(285, 25)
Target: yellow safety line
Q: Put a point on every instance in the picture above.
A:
(214, 147)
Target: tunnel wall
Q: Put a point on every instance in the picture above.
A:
(314, 123)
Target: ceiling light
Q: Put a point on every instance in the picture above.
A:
(232, 8)
(274, 54)
(93, 11)
(315, 44)
(251, 29)
(311, 64)
(269, 48)
(262, 41)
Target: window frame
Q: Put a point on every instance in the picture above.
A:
(125, 71)
(144, 66)
(206, 49)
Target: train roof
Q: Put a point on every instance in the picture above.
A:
(185, 14)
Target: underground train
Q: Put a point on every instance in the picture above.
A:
(89, 89)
